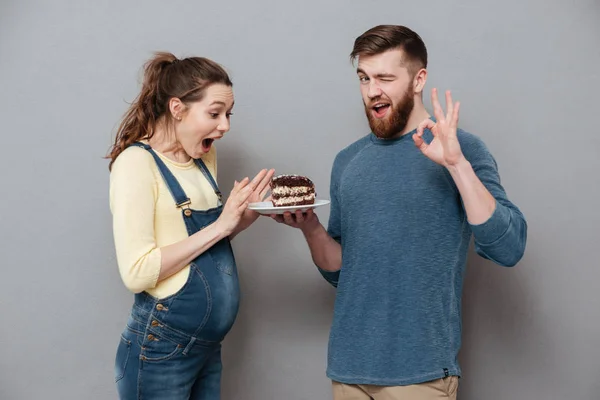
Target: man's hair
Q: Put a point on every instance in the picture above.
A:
(382, 38)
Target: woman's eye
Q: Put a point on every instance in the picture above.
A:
(214, 115)
(229, 115)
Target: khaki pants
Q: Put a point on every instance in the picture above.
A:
(445, 388)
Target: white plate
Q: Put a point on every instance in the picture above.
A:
(267, 208)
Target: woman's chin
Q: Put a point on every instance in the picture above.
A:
(198, 153)
(202, 151)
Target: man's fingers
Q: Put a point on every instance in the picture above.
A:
(437, 108)
(419, 142)
(299, 217)
(277, 218)
(287, 218)
(454, 120)
(425, 124)
(449, 106)
(420, 128)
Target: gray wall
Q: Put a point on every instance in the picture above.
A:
(525, 72)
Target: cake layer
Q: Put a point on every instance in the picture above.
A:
(294, 200)
(291, 181)
(292, 190)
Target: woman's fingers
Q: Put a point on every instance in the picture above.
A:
(242, 207)
(259, 177)
(237, 186)
(239, 194)
(243, 194)
(263, 186)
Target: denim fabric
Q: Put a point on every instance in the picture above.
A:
(171, 347)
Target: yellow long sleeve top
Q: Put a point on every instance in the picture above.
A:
(145, 217)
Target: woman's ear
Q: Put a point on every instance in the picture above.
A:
(176, 108)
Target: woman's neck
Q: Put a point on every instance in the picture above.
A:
(165, 143)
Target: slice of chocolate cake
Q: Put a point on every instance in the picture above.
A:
(292, 190)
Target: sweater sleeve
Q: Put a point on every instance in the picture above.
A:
(503, 237)
(133, 192)
(334, 226)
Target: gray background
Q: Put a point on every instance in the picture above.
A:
(525, 72)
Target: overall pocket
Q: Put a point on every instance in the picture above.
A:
(156, 348)
(122, 357)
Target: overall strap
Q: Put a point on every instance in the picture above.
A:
(208, 176)
(177, 192)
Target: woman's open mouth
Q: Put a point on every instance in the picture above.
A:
(206, 144)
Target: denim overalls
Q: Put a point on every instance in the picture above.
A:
(171, 347)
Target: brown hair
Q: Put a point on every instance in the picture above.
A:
(165, 77)
(382, 38)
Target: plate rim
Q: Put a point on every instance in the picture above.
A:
(322, 202)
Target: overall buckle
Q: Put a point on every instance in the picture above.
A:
(186, 203)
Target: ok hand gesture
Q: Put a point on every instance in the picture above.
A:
(444, 149)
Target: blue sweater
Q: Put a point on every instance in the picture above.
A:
(404, 235)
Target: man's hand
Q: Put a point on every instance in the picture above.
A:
(306, 222)
(444, 149)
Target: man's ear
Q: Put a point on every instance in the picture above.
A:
(419, 81)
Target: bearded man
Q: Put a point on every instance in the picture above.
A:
(405, 201)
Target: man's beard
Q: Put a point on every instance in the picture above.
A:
(396, 120)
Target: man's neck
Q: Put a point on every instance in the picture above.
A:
(418, 115)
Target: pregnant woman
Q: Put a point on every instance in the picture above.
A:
(172, 231)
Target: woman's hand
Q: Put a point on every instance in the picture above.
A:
(261, 184)
(235, 216)
(236, 205)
